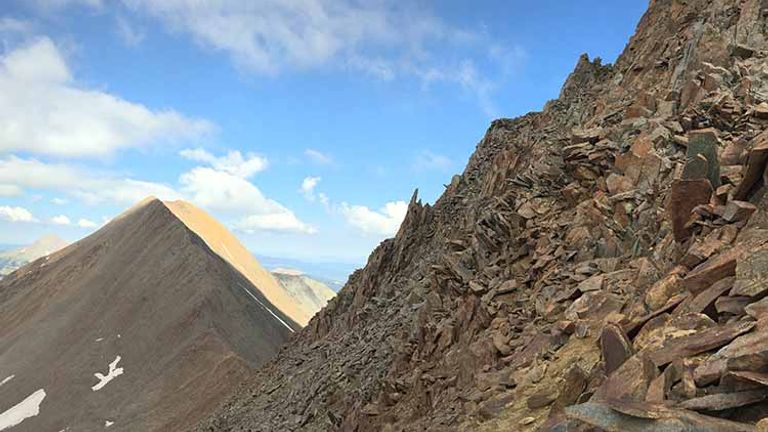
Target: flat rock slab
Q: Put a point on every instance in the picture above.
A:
(707, 298)
(752, 273)
(738, 211)
(724, 401)
(655, 418)
(697, 343)
(712, 270)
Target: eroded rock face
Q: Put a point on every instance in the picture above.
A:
(559, 233)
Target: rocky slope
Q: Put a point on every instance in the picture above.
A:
(310, 293)
(599, 265)
(13, 259)
(141, 326)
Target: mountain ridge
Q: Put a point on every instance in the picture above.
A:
(145, 295)
(554, 265)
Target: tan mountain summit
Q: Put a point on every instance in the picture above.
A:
(144, 325)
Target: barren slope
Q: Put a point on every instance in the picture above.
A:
(168, 324)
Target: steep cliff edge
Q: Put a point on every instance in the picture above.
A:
(596, 265)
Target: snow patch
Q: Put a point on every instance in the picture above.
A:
(25, 409)
(5, 381)
(113, 373)
(266, 308)
(99, 339)
(108, 423)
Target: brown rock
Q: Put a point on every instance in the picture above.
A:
(758, 157)
(752, 273)
(630, 381)
(758, 310)
(724, 401)
(594, 283)
(704, 300)
(738, 211)
(700, 342)
(615, 346)
(575, 382)
(685, 195)
(660, 292)
(712, 270)
(541, 398)
(646, 417)
(732, 305)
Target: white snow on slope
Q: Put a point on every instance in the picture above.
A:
(6, 380)
(113, 373)
(108, 423)
(25, 409)
(266, 308)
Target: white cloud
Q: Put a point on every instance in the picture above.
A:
(9, 190)
(217, 190)
(308, 186)
(384, 222)
(318, 157)
(61, 220)
(43, 110)
(85, 223)
(233, 163)
(59, 201)
(427, 161)
(86, 186)
(227, 193)
(16, 214)
(130, 34)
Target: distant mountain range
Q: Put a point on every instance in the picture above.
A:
(13, 258)
(333, 274)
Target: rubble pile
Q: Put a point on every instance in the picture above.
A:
(599, 266)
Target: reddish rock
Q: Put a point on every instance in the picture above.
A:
(684, 196)
(758, 158)
(615, 346)
(714, 269)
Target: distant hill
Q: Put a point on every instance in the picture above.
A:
(304, 289)
(333, 274)
(144, 326)
(13, 258)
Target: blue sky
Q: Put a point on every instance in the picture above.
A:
(303, 125)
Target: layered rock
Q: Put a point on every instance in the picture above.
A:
(597, 266)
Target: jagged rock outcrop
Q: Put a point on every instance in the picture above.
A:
(599, 265)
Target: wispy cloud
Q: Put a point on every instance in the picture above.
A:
(318, 157)
(131, 34)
